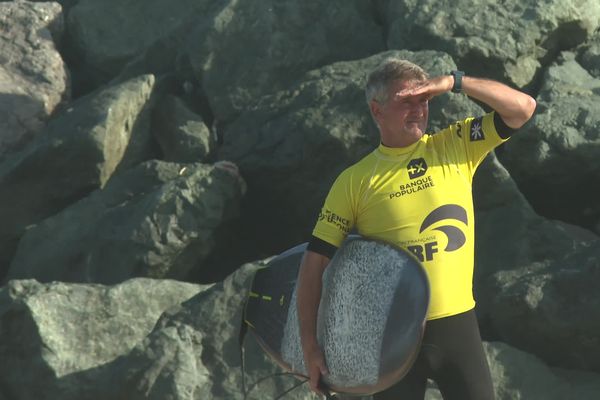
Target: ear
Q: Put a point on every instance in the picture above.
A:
(375, 110)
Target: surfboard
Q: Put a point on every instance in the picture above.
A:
(370, 321)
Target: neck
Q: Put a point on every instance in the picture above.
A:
(398, 140)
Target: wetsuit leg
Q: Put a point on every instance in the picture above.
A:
(464, 373)
(452, 355)
(411, 387)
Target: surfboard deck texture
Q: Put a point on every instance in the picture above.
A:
(370, 321)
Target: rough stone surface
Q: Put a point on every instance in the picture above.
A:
(77, 153)
(106, 35)
(33, 77)
(292, 145)
(510, 235)
(291, 38)
(551, 309)
(55, 338)
(589, 55)
(194, 353)
(182, 134)
(555, 161)
(518, 375)
(156, 220)
(510, 40)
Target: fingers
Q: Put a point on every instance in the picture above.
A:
(317, 370)
(428, 88)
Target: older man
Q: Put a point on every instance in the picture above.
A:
(414, 191)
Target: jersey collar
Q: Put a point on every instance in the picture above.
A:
(397, 151)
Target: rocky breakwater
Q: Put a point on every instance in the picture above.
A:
(154, 154)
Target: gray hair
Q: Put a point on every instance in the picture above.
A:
(390, 70)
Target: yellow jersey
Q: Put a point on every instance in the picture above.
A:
(419, 198)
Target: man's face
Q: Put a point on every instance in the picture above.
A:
(403, 115)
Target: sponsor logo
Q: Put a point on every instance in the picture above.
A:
(342, 224)
(456, 237)
(413, 187)
(476, 132)
(416, 168)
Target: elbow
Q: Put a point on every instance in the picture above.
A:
(526, 109)
(529, 108)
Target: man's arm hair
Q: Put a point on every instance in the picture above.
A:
(513, 106)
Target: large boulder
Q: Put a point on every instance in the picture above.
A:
(552, 309)
(509, 41)
(193, 353)
(589, 55)
(182, 134)
(292, 145)
(509, 236)
(105, 36)
(555, 160)
(77, 153)
(155, 220)
(33, 77)
(273, 42)
(56, 338)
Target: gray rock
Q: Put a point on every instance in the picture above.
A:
(518, 375)
(34, 80)
(551, 309)
(508, 41)
(155, 220)
(77, 153)
(106, 35)
(589, 55)
(293, 144)
(272, 43)
(181, 133)
(55, 338)
(555, 161)
(510, 236)
(194, 353)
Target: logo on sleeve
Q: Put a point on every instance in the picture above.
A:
(416, 168)
(476, 132)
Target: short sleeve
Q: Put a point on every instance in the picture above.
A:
(337, 216)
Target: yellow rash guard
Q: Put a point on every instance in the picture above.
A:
(419, 198)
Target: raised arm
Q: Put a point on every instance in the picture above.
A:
(308, 299)
(514, 107)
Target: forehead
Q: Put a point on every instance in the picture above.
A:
(398, 84)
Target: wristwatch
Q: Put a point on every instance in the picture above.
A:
(458, 75)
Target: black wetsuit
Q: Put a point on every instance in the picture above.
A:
(452, 355)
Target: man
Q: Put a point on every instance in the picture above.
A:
(414, 191)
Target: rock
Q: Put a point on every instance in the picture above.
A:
(182, 134)
(589, 55)
(510, 236)
(551, 309)
(77, 153)
(155, 220)
(194, 353)
(292, 145)
(555, 160)
(56, 338)
(291, 38)
(509, 41)
(105, 36)
(518, 375)
(34, 80)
